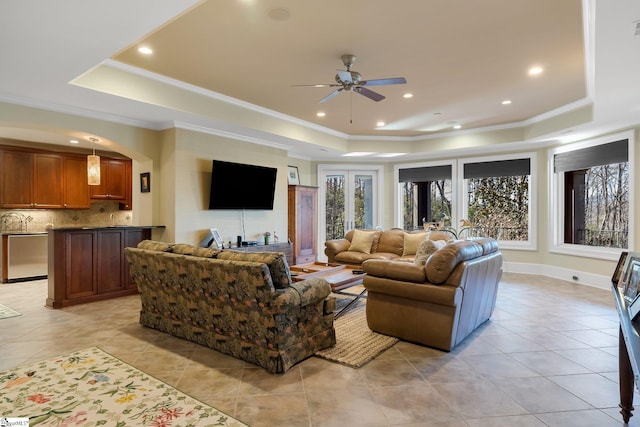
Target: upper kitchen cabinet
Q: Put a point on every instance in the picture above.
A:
(31, 180)
(40, 179)
(113, 180)
(76, 187)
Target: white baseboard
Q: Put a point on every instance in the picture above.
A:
(580, 277)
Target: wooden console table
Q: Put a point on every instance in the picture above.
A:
(628, 355)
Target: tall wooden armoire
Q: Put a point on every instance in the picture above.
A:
(303, 222)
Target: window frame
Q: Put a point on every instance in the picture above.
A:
(556, 205)
(397, 212)
(463, 208)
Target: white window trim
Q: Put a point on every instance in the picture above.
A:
(397, 212)
(556, 205)
(463, 207)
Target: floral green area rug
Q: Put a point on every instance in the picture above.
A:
(6, 312)
(93, 388)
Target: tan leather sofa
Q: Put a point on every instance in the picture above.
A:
(440, 303)
(394, 244)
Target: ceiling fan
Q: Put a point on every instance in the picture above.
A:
(347, 80)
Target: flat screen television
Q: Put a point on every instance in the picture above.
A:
(240, 186)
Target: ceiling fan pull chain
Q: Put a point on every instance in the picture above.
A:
(350, 107)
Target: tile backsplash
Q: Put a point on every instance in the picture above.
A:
(101, 214)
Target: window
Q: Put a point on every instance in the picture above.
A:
(593, 184)
(498, 197)
(425, 195)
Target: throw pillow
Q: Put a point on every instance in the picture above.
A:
(427, 248)
(362, 241)
(412, 242)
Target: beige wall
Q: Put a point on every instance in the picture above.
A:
(193, 157)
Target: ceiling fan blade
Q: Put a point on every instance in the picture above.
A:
(331, 95)
(318, 85)
(369, 93)
(345, 76)
(379, 82)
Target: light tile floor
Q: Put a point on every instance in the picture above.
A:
(547, 357)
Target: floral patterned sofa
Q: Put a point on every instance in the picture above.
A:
(241, 304)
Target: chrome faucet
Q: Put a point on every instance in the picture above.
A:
(113, 222)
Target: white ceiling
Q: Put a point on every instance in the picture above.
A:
(461, 58)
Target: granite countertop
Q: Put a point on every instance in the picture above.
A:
(34, 233)
(21, 233)
(106, 227)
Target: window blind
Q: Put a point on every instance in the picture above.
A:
(515, 167)
(585, 158)
(424, 174)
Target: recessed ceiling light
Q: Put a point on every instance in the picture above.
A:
(321, 114)
(380, 124)
(358, 154)
(536, 70)
(407, 95)
(145, 50)
(457, 126)
(506, 102)
(74, 141)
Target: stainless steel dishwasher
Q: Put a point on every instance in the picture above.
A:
(23, 255)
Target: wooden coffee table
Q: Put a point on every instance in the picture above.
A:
(339, 277)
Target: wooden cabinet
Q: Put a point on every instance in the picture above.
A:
(76, 188)
(40, 179)
(31, 180)
(87, 265)
(113, 174)
(303, 222)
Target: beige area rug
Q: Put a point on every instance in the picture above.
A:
(93, 388)
(6, 312)
(356, 344)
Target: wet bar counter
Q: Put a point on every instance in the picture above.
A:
(87, 264)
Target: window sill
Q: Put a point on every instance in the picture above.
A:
(612, 254)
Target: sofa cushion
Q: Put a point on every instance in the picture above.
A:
(412, 242)
(442, 262)
(186, 249)
(362, 241)
(276, 261)
(391, 241)
(426, 248)
(153, 245)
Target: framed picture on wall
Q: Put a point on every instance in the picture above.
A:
(145, 182)
(292, 175)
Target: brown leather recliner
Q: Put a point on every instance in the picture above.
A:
(440, 303)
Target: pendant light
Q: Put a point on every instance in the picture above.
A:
(93, 166)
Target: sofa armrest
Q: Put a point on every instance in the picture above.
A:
(303, 293)
(333, 247)
(395, 270)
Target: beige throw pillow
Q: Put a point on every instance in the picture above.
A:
(412, 242)
(427, 248)
(362, 241)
